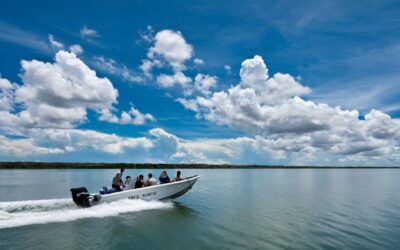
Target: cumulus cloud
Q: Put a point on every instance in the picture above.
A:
(134, 116)
(171, 46)
(171, 50)
(240, 150)
(85, 32)
(109, 143)
(146, 67)
(159, 145)
(58, 95)
(204, 83)
(178, 78)
(170, 148)
(62, 141)
(162, 146)
(273, 109)
(253, 72)
(23, 147)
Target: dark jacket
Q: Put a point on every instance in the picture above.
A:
(164, 179)
(139, 183)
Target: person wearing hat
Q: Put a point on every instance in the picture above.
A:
(117, 180)
(164, 177)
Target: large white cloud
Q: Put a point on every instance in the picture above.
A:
(58, 95)
(170, 50)
(273, 109)
(68, 82)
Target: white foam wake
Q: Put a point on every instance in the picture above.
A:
(35, 205)
(16, 214)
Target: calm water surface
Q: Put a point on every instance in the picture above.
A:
(226, 209)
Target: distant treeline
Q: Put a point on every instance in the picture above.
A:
(79, 165)
(72, 165)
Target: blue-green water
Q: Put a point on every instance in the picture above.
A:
(226, 209)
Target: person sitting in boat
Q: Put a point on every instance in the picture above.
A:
(117, 180)
(164, 177)
(139, 182)
(127, 180)
(129, 184)
(178, 176)
(150, 181)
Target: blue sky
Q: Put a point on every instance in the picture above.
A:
(200, 101)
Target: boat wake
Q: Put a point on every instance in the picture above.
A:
(23, 213)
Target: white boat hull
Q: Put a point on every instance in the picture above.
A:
(157, 192)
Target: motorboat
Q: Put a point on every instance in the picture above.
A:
(172, 190)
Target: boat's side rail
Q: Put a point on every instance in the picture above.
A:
(190, 177)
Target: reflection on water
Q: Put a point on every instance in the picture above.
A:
(308, 209)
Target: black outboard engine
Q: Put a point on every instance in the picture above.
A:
(82, 198)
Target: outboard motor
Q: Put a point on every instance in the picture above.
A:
(82, 198)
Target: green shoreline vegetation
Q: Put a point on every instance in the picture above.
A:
(80, 165)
